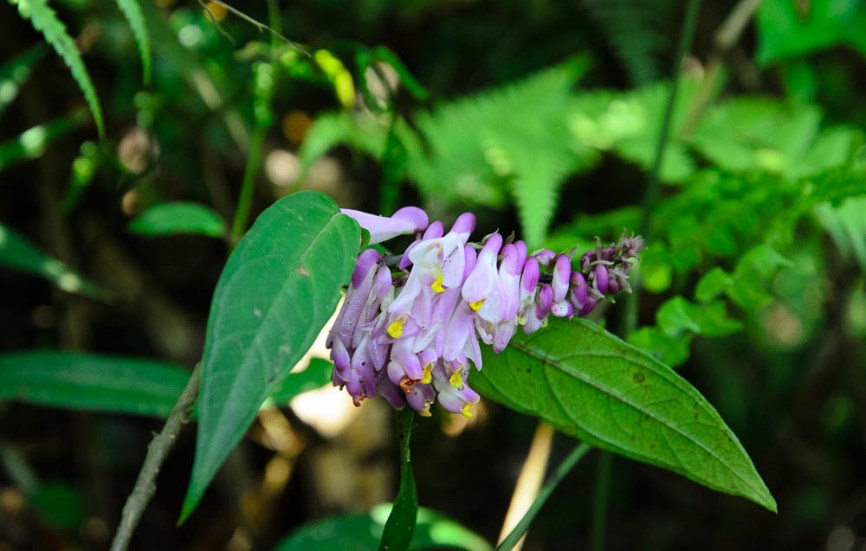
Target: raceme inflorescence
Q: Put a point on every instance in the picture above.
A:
(411, 324)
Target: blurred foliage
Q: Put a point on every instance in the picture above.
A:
(546, 118)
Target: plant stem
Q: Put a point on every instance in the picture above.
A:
(400, 526)
(251, 171)
(600, 501)
(157, 452)
(653, 185)
(563, 469)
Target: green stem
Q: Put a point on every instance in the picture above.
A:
(600, 501)
(653, 185)
(251, 171)
(563, 469)
(400, 526)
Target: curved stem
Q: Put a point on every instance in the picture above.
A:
(563, 469)
(157, 452)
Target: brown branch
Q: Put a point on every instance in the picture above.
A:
(157, 452)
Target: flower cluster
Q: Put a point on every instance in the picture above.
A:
(411, 324)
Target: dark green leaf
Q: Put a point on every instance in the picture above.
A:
(593, 386)
(16, 252)
(277, 290)
(362, 532)
(177, 218)
(32, 143)
(91, 382)
(15, 73)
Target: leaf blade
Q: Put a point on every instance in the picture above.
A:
(91, 382)
(288, 268)
(621, 400)
(179, 218)
(132, 12)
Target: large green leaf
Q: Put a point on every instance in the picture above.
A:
(278, 289)
(362, 532)
(591, 385)
(91, 382)
(178, 218)
(16, 252)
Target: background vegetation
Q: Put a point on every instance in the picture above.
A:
(128, 170)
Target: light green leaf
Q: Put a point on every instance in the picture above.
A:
(316, 375)
(91, 382)
(45, 20)
(15, 73)
(361, 532)
(179, 218)
(132, 11)
(593, 386)
(277, 290)
(712, 284)
(16, 252)
(846, 224)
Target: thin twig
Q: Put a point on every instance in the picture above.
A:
(157, 452)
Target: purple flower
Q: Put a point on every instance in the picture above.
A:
(411, 335)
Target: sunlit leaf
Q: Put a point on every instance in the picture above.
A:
(593, 386)
(277, 290)
(91, 382)
(361, 532)
(179, 218)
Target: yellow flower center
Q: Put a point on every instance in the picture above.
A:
(477, 304)
(428, 374)
(466, 412)
(437, 285)
(395, 330)
(456, 379)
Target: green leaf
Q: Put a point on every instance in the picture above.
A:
(32, 143)
(277, 290)
(179, 218)
(91, 382)
(45, 20)
(593, 386)
(400, 527)
(361, 532)
(16, 252)
(789, 29)
(15, 73)
(847, 226)
(132, 11)
(712, 284)
(316, 375)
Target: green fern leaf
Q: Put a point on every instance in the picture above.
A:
(45, 20)
(636, 29)
(132, 11)
(513, 140)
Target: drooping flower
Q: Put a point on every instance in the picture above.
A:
(409, 329)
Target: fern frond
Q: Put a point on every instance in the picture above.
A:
(513, 140)
(635, 30)
(16, 72)
(45, 20)
(132, 12)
